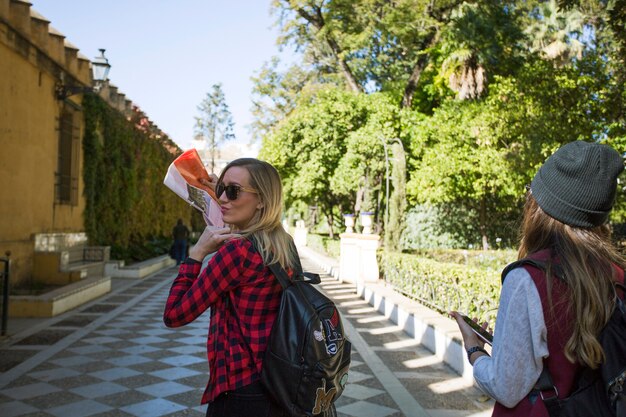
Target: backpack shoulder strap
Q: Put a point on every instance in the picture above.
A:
(284, 280)
(542, 265)
(280, 273)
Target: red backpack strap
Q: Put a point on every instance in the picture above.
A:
(521, 263)
(539, 260)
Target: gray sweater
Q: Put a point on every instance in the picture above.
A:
(519, 345)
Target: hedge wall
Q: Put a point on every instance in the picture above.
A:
(443, 286)
(324, 244)
(127, 205)
(482, 259)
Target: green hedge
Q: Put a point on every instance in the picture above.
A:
(127, 205)
(323, 244)
(490, 259)
(442, 285)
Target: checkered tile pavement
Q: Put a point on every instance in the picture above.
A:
(114, 357)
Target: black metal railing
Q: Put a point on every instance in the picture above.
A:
(5, 292)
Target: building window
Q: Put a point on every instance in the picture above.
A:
(66, 190)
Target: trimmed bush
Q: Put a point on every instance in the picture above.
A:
(494, 260)
(443, 286)
(324, 244)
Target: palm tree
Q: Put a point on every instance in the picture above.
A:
(475, 44)
(554, 33)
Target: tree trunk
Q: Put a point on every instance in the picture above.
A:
(411, 85)
(422, 61)
(343, 66)
(212, 146)
(330, 219)
(317, 20)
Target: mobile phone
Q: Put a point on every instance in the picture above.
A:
(483, 334)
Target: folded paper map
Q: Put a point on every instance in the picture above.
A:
(183, 177)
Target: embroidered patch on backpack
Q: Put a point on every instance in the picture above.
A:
(331, 333)
(323, 398)
(319, 334)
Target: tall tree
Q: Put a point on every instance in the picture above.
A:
(316, 32)
(479, 154)
(215, 124)
(397, 204)
(604, 14)
(375, 44)
(307, 148)
(605, 22)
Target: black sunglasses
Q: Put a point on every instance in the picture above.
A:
(232, 190)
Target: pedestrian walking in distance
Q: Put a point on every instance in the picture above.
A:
(560, 294)
(180, 233)
(237, 281)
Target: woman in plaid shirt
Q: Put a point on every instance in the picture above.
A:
(237, 280)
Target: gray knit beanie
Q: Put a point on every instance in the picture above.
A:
(577, 184)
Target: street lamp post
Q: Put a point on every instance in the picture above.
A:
(101, 69)
(100, 72)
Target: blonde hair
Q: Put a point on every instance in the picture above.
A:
(586, 258)
(273, 242)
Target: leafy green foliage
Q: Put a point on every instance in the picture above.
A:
(489, 260)
(443, 286)
(329, 149)
(275, 94)
(528, 76)
(425, 229)
(482, 40)
(479, 155)
(127, 205)
(323, 244)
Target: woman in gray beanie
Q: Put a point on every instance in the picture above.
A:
(561, 293)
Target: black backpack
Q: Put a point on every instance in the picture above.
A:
(597, 392)
(305, 367)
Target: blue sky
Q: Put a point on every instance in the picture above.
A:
(165, 55)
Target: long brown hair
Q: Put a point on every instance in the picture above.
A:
(586, 258)
(273, 242)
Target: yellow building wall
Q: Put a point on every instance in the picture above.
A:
(29, 140)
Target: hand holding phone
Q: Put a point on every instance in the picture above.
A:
(483, 334)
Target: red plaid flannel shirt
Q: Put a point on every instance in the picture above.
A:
(235, 275)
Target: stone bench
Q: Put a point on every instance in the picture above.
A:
(60, 300)
(70, 265)
(62, 258)
(139, 270)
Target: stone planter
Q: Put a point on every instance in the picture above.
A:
(348, 220)
(366, 221)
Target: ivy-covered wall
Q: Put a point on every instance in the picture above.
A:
(125, 161)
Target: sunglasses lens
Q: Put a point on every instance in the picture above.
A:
(232, 192)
